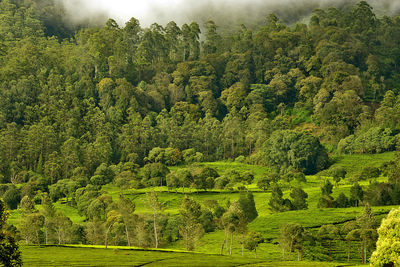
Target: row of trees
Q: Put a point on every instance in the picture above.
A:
(117, 223)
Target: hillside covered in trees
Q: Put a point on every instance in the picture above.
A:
(82, 107)
(110, 95)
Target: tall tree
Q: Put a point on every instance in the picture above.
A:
(156, 208)
(191, 228)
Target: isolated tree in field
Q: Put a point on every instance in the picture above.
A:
(248, 206)
(387, 251)
(10, 255)
(191, 228)
(338, 173)
(326, 200)
(277, 202)
(299, 198)
(356, 194)
(156, 208)
(342, 201)
(252, 240)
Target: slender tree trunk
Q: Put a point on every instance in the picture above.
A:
(107, 232)
(223, 243)
(233, 148)
(127, 235)
(230, 250)
(46, 235)
(348, 253)
(242, 249)
(227, 245)
(37, 238)
(155, 228)
(365, 253)
(59, 236)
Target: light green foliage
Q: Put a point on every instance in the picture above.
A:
(388, 245)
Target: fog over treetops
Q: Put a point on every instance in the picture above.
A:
(223, 12)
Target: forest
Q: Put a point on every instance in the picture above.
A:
(105, 122)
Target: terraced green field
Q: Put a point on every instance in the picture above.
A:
(90, 256)
(267, 223)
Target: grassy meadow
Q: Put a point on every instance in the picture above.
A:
(207, 251)
(117, 256)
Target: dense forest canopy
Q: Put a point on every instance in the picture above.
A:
(94, 119)
(111, 95)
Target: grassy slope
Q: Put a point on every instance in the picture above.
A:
(72, 256)
(267, 223)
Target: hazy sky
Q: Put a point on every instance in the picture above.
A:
(182, 11)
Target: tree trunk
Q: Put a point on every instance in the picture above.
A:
(155, 228)
(46, 235)
(37, 238)
(227, 245)
(108, 230)
(242, 249)
(365, 254)
(230, 250)
(59, 236)
(348, 254)
(223, 244)
(127, 235)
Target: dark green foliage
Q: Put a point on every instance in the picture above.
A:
(370, 173)
(301, 151)
(154, 174)
(246, 201)
(356, 194)
(342, 201)
(299, 198)
(277, 203)
(9, 250)
(326, 200)
(338, 173)
(12, 197)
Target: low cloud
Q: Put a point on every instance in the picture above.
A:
(223, 12)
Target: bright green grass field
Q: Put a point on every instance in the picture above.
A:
(89, 256)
